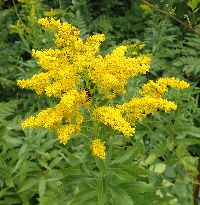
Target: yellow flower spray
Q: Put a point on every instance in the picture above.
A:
(71, 73)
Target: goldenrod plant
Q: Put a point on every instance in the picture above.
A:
(75, 74)
(107, 137)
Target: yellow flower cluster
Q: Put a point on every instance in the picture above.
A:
(61, 78)
(98, 148)
(146, 8)
(124, 116)
(139, 108)
(65, 131)
(38, 82)
(160, 87)
(113, 117)
(112, 72)
(72, 69)
(65, 118)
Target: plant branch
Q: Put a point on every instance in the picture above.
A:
(173, 17)
(17, 12)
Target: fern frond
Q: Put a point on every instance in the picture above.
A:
(8, 108)
(81, 25)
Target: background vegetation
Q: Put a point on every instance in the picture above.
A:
(158, 165)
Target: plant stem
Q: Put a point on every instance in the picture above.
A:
(17, 12)
(173, 17)
(197, 187)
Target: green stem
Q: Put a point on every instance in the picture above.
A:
(20, 34)
(197, 187)
(172, 16)
(27, 48)
(17, 12)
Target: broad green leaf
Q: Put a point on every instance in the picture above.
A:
(44, 164)
(77, 179)
(150, 159)
(18, 165)
(133, 170)
(42, 186)
(121, 174)
(193, 4)
(159, 168)
(146, 199)
(55, 162)
(83, 196)
(13, 140)
(42, 152)
(4, 192)
(23, 149)
(102, 192)
(124, 156)
(28, 184)
(9, 181)
(120, 195)
(11, 200)
(189, 163)
(73, 171)
(137, 187)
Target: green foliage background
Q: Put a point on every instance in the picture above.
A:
(154, 167)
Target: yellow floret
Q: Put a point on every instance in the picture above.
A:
(112, 116)
(160, 87)
(139, 108)
(38, 83)
(65, 132)
(98, 148)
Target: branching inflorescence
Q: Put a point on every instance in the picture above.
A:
(75, 68)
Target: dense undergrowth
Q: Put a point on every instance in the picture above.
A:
(156, 166)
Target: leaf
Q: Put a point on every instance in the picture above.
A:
(8, 108)
(9, 182)
(27, 185)
(42, 186)
(121, 174)
(13, 140)
(150, 159)
(137, 187)
(159, 168)
(120, 195)
(11, 200)
(145, 199)
(83, 196)
(42, 152)
(44, 164)
(101, 191)
(189, 163)
(193, 4)
(133, 170)
(77, 179)
(17, 165)
(23, 149)
(4, 192)
(55, 162)
(124, 156)
(73, 171)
